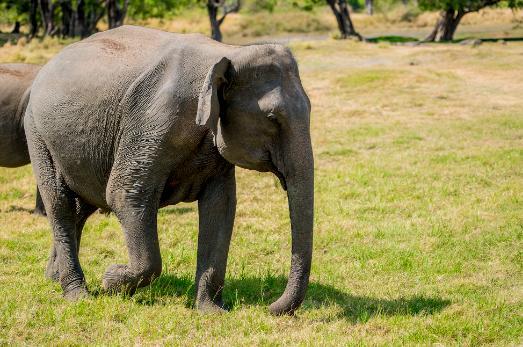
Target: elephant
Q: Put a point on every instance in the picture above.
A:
(134, 119)
(15, 86)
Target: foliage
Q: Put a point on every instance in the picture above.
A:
(13, 10)
(142, 9)
(262, 5)
(66, 18)
(466, 5)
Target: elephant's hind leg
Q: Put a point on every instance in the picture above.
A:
(60, 201)
(62, 219)
(83, 211)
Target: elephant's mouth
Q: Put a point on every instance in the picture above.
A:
(274, 169)
(280, 176)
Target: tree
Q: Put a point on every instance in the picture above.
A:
(369, 5)
(33, 18)
(47, 14)
(15, 11)
(67, 18)
(452, 11)
(16, 28)
(213, 7)
(116, 12)
(88, 14)
(341, 12)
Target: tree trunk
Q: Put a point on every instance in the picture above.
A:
(370, 7)
(451, 24)
(66, 29)
(33, 21)
(115, 13)
(16, 28)
(82, 23)
(341, 12)
(47, 12)
(216, 33)
(446, 26)
(213, 7)
(88, 17)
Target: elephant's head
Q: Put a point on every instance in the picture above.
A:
(255, 105)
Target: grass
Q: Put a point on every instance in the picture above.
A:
(418, 221)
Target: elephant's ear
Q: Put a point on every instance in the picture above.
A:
(208, 102)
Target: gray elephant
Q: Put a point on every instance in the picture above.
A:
(133, 119)
(15, 85)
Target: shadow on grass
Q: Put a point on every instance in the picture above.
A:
(407, 39)
(391, 39)
(490, 39)
(263, 291)
(13, 208)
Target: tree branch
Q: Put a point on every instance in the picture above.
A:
(235, 7)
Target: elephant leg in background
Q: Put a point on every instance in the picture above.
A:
(61, 214)
(83, 211)
(216, 210)
(39, 204)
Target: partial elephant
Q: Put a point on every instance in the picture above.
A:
(15, 85)
(133, 119)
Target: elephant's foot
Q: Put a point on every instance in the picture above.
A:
(208, 306)
(119, 278)
(76, 293)
(209, 300)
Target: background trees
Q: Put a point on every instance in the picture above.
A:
(81, 18)
(452, 11)
(66, 18)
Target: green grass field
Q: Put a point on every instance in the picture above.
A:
(418, 227)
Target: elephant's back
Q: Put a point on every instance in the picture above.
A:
(82, 82)
(15, 81)
(103, 67)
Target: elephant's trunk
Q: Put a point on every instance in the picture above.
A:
(299, 178)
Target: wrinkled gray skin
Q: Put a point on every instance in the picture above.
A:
(15, 85)
(133, 119)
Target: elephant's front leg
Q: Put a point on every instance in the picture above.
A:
(216, 209)
(145, 263)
